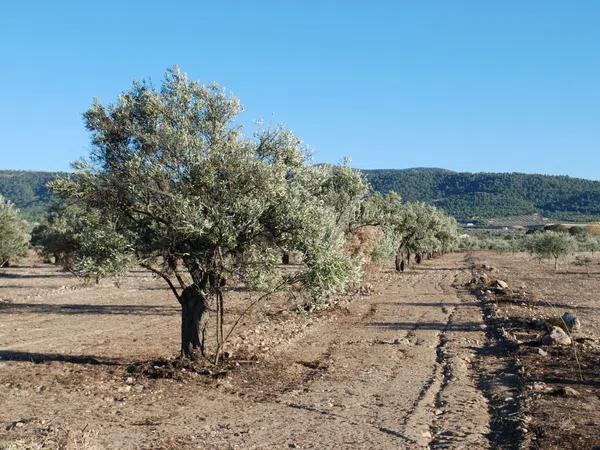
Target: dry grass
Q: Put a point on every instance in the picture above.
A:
(593, 229)
(362, 242)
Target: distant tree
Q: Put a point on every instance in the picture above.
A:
(52, 237)
(425, 229)
(14, 235)
(467, 242)
(385, 211)
(552, 245)
(591, 244)
(557, 228)
(189, 193)
(344, 190)
(580, 233)
(533, 231)
(515, 243)
(497, 244)
(411, 228)
(585, 261)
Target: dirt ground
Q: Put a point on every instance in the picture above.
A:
(559, 386)
(413, 364)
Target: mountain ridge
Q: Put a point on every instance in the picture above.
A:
(468, 196)
(478, 196)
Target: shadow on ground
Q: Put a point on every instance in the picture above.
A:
(45, 308)
(438, 326)
(37, 358)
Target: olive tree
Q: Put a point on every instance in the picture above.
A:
(423, 229)
(385, 212)
(14, 235)
(551, 244)
(591, 244)
(84, 241)
(411, 228)
(199, 204)
(52, 237)
(585, 261)
(468, 242)
(345, 190)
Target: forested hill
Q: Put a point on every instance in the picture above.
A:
(466, 196)
(27, 190)
(472, 196)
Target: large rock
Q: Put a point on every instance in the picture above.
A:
(571, 321)
(556, 336)
(501, 284)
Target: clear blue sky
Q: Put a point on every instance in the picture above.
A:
(465, 85)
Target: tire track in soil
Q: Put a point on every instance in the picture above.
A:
(379, 373)
(420, 426)
(441, 402)
(429, 393)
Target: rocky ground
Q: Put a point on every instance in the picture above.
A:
(547, 321)
(415, 360)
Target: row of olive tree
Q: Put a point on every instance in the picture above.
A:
(409, 229)
(173, 185)
(546, 244)
(14, 233)
(555, 245)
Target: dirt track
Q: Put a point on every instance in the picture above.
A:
(389, 370)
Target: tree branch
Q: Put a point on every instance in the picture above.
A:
(164, 277)
(179, 279)
(253, 303)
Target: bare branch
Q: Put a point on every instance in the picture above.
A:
(164, 276)
(252, 304)
(179, 279)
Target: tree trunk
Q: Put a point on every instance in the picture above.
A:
(555, 264)
(285, 259)
(418, 258)
(194, 315)
(402, 266)
(398, 259)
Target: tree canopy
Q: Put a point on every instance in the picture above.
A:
(14, 232)
(551, 244)
(175, 177)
